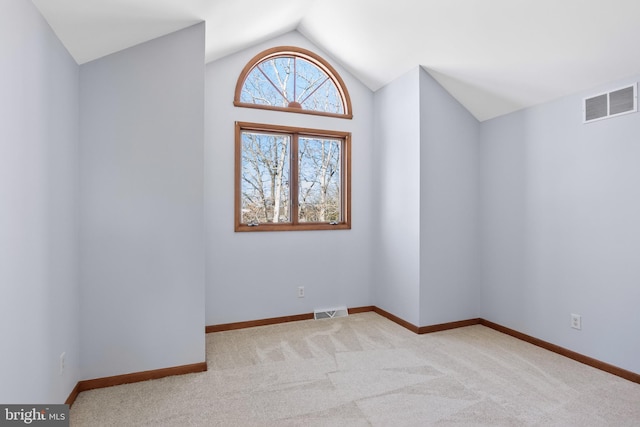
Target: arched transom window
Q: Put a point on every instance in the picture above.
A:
(292, 79)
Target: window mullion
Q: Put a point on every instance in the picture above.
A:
(293, 177)
(295, 79)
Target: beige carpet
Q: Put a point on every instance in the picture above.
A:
(364, 370)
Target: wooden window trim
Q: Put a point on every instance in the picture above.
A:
(300, 53)
(294, 225)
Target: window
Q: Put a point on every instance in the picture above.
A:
(291, 178)
(295, 80)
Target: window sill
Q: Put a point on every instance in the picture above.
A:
(292, 227)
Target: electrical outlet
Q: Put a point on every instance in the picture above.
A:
(576, 321)
(63, 356)
(300, 291)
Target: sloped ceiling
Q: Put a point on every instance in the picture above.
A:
(494, 56)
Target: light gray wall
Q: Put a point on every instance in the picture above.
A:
(39, 305)
(560, 229)
(427, 170)
(449, 203)
(256, 275)
(142, 226)
(396, 181)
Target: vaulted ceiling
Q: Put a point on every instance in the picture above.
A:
(494, 56)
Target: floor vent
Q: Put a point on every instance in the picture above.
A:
(330, 313)
(611, 104)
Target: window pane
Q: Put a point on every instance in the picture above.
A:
(319, 180)
(258, 90)
(325, 99)
(315, 90)
(265, 178)
(270, 83)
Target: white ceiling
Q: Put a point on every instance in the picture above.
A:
(494, 56)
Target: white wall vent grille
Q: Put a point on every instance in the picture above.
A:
(611, 104)
(330, 313)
